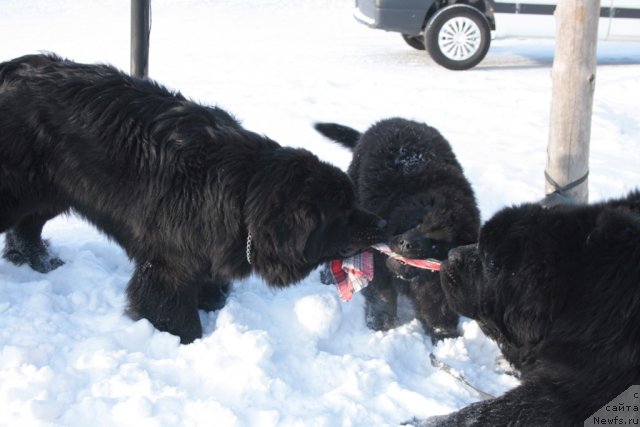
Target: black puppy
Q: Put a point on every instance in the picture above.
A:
(406, 172)
(559, 290)
(193, 198)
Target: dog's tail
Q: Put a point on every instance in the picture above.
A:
(339, 133)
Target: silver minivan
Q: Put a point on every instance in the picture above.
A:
(457, 33)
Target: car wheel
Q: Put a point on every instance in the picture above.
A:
(415, 42)
(457, 37)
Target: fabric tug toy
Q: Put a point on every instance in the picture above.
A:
(353, 274)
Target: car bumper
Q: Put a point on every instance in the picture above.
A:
(403, 16)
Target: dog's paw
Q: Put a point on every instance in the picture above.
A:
(46, 263)
(42, 263)
(381, 321)
(35, 253)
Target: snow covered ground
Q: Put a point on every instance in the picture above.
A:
(298, 357)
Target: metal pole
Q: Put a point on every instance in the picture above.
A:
(140, 30)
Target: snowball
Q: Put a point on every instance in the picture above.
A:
(320, 315)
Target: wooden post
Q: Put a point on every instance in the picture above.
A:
(140, 31)
(573, 83)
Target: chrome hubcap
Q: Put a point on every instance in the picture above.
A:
(459, 38)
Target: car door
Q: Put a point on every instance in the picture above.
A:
(535, 18)
(625, 20)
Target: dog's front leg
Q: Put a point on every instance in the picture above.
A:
(167, 298)
(381, 298)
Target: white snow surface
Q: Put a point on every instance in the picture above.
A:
(300, 356)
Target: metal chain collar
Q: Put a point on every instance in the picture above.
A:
(249, 240)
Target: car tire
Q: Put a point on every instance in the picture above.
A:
(457, 37)
(415, 42)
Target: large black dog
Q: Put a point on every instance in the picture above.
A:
(194, 199)
(407, 173)
(559, 291)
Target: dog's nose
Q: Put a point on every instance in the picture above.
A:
(405, 244)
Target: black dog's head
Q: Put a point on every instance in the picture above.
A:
(302, 212)
(424, 227)
(511, 282)
(547, 275)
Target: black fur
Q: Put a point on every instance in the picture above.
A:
(407, 173)
(559, 291)
(343, 134)
(178, 185)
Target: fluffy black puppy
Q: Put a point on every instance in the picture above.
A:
(406, 172)
(559, 290)
(193, 198)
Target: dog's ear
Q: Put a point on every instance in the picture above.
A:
(296, 227)
(280, 217)
(524, 255)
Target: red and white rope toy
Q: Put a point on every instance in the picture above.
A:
(353, 274)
